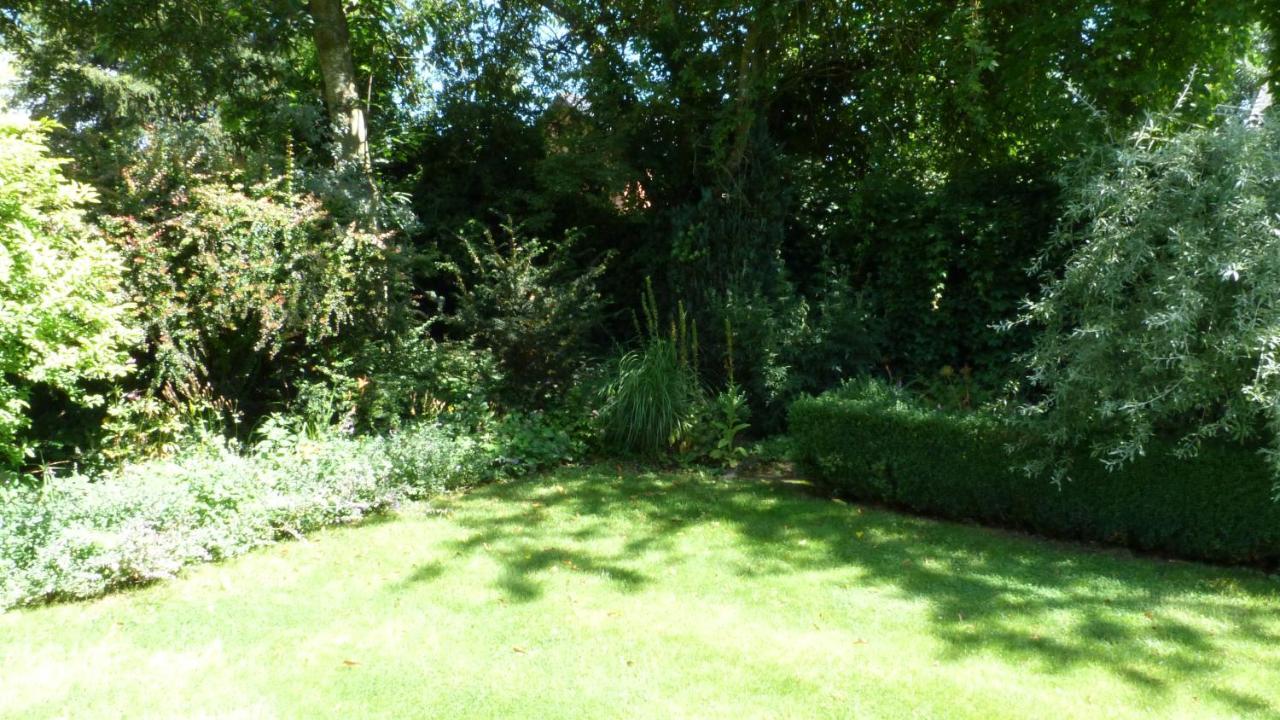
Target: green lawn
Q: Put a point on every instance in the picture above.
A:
(601, 594)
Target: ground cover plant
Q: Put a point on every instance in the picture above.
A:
(77, 536)
(607, 592)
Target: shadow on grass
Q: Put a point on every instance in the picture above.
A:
(1152, 623)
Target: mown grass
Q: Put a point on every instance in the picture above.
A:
(602, 593)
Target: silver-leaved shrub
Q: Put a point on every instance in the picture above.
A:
(1160, 307)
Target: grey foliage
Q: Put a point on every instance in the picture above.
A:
(1165, 316)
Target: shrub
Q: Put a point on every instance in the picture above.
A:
(650, 401)
(842, 336)
(243, 290)
(398, 381)
(1163, 318)
(772, 332)
(411, 377)
(527, 302)
(249, 285)
(714, 427)
(531, 441)
(876, 444)
(63, 318)
(655, 392)
(78, 536)
(430, 459)
(728, 258)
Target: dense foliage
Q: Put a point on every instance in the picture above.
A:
(523, 299)
(869, 442)
(659, 402)
(756, 158)
(856, 188)
(64, 321)
(244, 290)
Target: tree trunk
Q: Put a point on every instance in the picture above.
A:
(341, 95)
(750, 102)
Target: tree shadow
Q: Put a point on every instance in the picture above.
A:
(1152, 623)
(424, 573)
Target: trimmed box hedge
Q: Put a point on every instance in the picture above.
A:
(877, 446)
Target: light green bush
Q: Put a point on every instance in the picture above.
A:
(63, 318)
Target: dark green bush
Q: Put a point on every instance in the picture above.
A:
(874, 444)
(531, 441)
(529, 303)
(411, 376)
